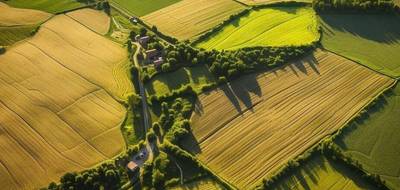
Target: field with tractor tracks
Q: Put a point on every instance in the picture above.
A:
(246, 130)
(189, 18)
(59, 103)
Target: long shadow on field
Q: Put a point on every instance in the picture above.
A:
(239, 92)
(190, 144)
(379, 28)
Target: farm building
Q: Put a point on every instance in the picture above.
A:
(132, 166)
(142, 40)
(152, 54)
(158, 62)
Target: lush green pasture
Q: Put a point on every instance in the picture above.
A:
(321, 173)
(372, 40)
(164, 83)
(142, 7)
(10, 35)
(280, 26)
(51, 6)
(375, 143)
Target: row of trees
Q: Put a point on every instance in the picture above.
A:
(355, 6)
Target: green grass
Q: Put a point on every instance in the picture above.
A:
(10, 35)
(196, 76)
(50, 6)
(372, 40)
(321, 173)
(375, 142)
(281, 26)
(142, 7)
(201, 184)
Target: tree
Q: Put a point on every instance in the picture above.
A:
(132, 35)
(142, 32)
(129, 44)
(106, 7)
(2, 50)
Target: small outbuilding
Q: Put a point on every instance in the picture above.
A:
(132, 166)
(142, 40)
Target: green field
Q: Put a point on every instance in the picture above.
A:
(196, 76)
(142, 7)
(321, 173)
(10, 35)
(51, 6)
(201, 184)
(280, 26)
(372, 40)
(375, 143)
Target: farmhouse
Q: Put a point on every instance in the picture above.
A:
(142, 40)
(158, 62)
(132, 166)
(152, 54)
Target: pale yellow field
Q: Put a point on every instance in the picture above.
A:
(97, 21)
(10, 16)
(57, 108)
(189, 18)
(248, 130)
(259, 2)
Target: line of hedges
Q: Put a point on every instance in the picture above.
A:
(355, 6)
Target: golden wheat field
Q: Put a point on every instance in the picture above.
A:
(16, 17)
(190, 18)
(201, 184)
(249, 129)
(57, 108)
(98, 21)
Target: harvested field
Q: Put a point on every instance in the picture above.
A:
(247, 130)
(372, 40)
(260, 2)
(10, 16)
(375, 142)
(322, 173)
(97, 21)
(142, 7)
(277, 26)
(58, 113)
(189, 18)
(50, 6)
(201, 184)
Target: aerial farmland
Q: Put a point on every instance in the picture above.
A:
(199, 94)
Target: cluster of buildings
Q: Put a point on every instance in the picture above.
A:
(152, 56)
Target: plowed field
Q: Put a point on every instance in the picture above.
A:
(248, 129)
(57, 108)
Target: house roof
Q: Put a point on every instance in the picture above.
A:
(132, 165)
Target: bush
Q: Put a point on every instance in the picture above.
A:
(2, 50)
(374, 6)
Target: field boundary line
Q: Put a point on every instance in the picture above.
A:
(359, 63)
(41, 136)
(76, 20)
(223, 125)
(331, 135)
(15, 181)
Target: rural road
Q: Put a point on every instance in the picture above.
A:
(145, 108)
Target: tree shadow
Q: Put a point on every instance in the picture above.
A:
(190, 144)
(376, 27)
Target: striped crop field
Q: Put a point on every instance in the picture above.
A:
(58, 104)
(189, 18)
(375, 142)
(247, 130)
(372, 40)
(278, 26)
(319, 172)
(97, 21)
(142, 7)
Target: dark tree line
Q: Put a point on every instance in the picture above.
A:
(370, 6)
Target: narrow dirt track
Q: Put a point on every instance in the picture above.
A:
(261, 122)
